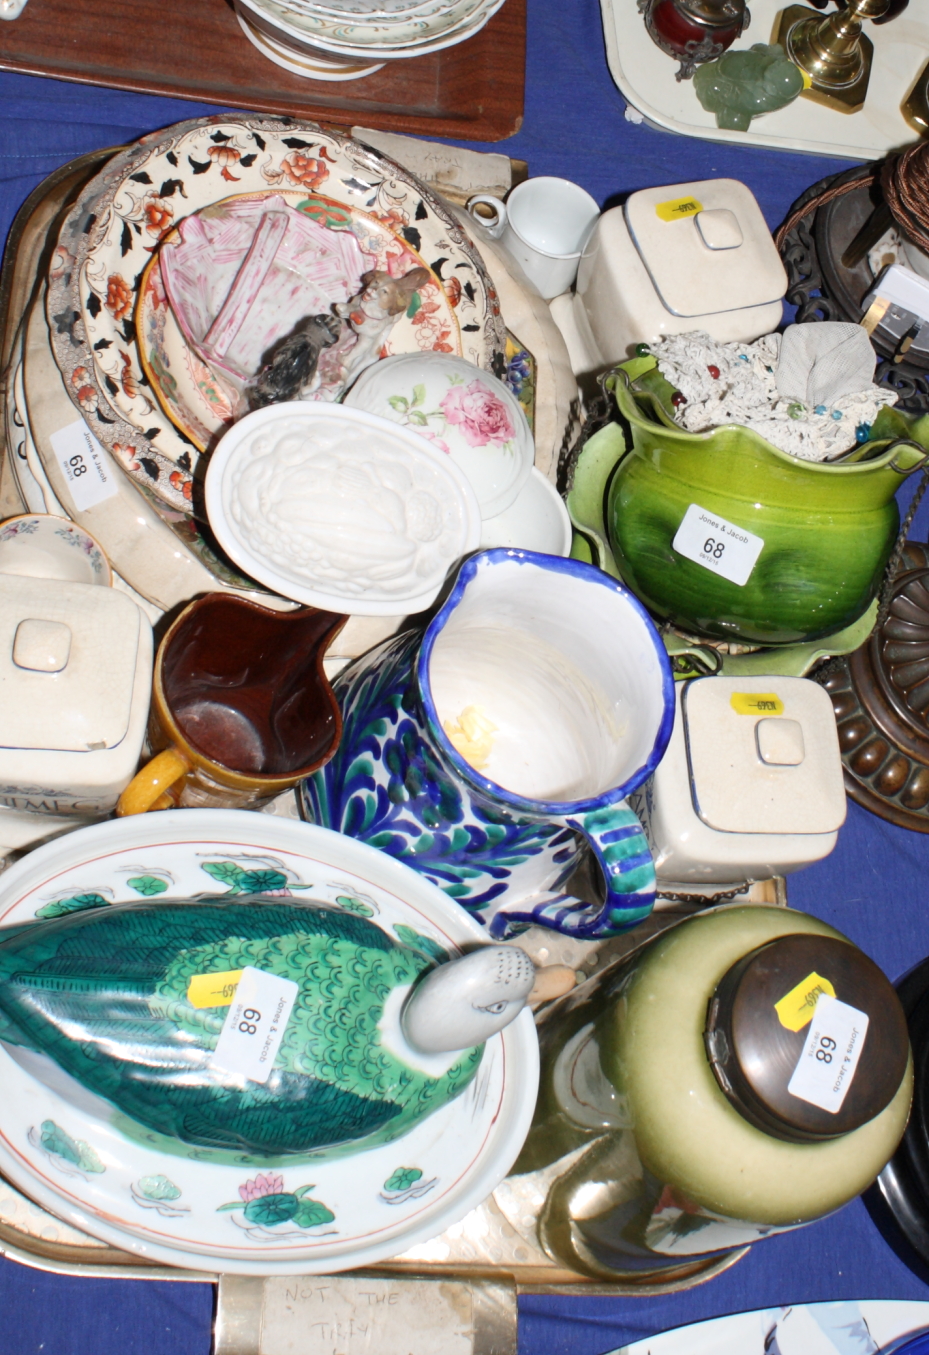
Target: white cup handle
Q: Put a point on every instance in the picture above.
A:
(495, 225)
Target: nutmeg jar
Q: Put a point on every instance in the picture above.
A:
(746, 1072)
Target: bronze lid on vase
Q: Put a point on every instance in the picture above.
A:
(758, 1024)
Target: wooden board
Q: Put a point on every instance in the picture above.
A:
(195, 49)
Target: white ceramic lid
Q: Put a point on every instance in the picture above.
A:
(339, 509)
(706, 246)
(68, 656)
(464, 411)
(764, 755)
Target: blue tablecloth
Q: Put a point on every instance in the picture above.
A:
(873, 887)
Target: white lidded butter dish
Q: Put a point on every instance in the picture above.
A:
(751, 785)
(75, 683)
(677, 258)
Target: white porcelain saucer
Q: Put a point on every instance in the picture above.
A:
(537, 520)
(289, 59)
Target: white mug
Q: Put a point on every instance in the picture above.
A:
(544, 225)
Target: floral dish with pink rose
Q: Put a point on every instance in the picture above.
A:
(463, 411)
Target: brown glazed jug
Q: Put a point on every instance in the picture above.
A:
(241, 707)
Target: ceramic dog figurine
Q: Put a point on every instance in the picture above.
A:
(373, 312)
(291, 371)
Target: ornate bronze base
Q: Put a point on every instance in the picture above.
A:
(880, 695)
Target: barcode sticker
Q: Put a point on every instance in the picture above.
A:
(826, 1068)
(718, 545)
(255, 1024)
(83, 463)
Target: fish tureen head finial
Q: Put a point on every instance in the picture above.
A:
(464, 1002)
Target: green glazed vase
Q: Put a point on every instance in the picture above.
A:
(828, 529)
(637, 1162)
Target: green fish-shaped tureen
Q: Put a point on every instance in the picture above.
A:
(372, 1044)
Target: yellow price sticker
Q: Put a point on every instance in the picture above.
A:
(213, 990)
(795, 1009)
(756, 703)
(679, 208)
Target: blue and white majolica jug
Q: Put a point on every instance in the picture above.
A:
(489, 750)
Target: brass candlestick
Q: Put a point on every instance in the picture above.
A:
(833, 52)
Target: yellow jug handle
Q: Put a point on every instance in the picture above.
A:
(148, 788)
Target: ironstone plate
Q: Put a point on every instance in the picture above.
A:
(109, 236)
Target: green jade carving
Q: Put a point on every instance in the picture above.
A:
(103, 993)
(739, 86)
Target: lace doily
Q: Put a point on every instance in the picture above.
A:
(734, 383)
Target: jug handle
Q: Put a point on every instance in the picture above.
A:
(620, 846)
(150, 788)
(907, 442)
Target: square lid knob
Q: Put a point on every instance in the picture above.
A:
(719, 228)
(726, 260)
(89, 638)
(42, 646)
(763, 754)
(780, 742)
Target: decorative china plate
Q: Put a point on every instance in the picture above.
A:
(379, 32)
(189, 391)
(108, 238)
(800, 1329)
(76, 1155)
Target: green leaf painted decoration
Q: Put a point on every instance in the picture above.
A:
(353, 905)
(311, 1213)
(402, 1178)
(59, 1143)
(226, 872)
(148, 885)
(399, 403)
(243, 881)
(416, 302)
(77, 904)
(419, 394)
(271, 1209)
(158, 1188)
(265, 1204)
(262, 881)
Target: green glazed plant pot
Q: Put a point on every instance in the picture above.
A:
(827, 529)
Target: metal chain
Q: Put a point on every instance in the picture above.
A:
(705, 898)
(896, 558)
(599, 414)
